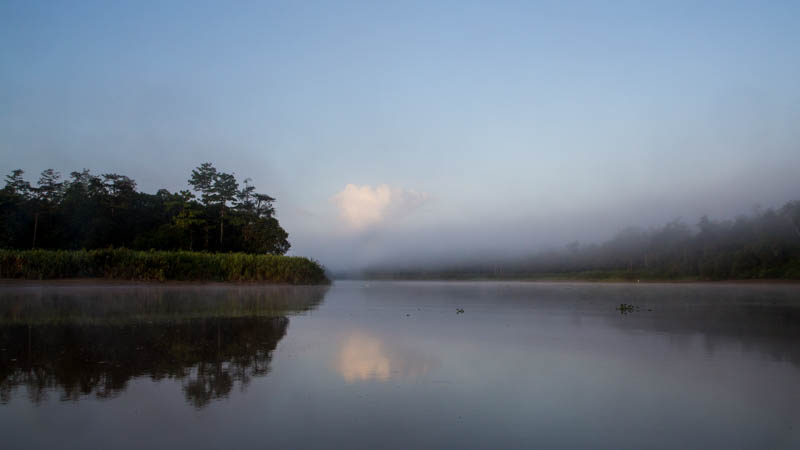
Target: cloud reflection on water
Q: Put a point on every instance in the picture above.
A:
(364, 357)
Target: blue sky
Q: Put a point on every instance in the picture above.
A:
(523, 122)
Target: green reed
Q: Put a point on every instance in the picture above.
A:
(126, 264)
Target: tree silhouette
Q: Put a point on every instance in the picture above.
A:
(89, 211)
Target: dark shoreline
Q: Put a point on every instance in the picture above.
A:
(100, 281)
(160, 266)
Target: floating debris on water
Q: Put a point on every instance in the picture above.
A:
(625, 308)
(459, 311)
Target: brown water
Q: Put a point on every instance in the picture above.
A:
(396, 365)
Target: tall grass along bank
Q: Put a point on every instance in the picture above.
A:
(126, 264)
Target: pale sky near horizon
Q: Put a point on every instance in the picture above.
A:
(418, 128)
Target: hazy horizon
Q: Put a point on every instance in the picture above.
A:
(389, 132)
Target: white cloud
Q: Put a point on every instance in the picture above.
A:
(364, 206)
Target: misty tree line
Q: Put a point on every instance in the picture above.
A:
(99, 211)
(765, 244)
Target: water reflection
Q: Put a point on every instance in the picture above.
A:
(763, 318)
(92, 341)
(764, 328)
(365, 357)
(393, 365)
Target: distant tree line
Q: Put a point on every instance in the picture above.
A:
(87, 211)
(765, 244)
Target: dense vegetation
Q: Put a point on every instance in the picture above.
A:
(765, 244)
(180, 236)
(87, 211)
(159, 265)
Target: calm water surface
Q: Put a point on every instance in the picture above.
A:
(396, 365)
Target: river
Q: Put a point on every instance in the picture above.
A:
(366, 364)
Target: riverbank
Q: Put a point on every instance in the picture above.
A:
(123, 264)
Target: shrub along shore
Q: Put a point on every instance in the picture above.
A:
(124, 264)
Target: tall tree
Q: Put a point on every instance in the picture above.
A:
(216, 189)
(14, 199)
(120, 189)
(45, 197)
(225, 189)
(202, 181)
(17, 185)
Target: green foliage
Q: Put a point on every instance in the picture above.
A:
(89, 211)
(127, 264)
(202, 180)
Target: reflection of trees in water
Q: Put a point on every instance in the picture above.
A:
(96, 342)
(770, 330)
(208, 355)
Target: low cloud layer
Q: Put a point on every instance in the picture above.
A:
(362, 207)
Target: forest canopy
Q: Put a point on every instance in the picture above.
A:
(87, 211)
